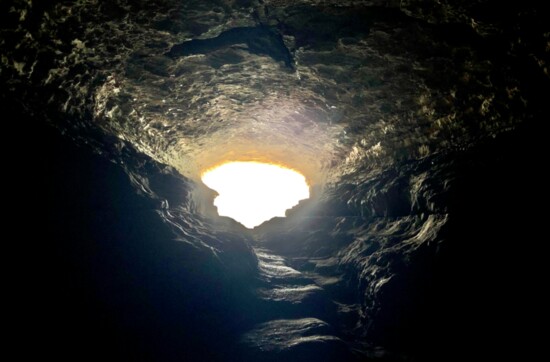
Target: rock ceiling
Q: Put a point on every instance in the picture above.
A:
(324, 86)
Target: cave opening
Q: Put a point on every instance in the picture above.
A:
(253, 192)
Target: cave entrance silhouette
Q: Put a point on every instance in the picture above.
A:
(253, 192)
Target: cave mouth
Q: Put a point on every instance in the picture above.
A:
(252, 192)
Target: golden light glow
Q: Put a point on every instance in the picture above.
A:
(254, 192)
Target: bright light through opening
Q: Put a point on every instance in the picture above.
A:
(253, 192)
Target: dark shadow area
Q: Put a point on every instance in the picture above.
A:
(98, 274)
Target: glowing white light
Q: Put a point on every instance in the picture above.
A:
(253, 192)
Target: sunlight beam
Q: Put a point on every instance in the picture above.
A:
(254, 192)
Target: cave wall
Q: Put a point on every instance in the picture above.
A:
(436, 256)
(103, 272)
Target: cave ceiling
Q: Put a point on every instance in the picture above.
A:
(327, 87)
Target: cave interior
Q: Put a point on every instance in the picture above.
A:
(418, 124)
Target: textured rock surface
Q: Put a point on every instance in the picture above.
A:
(369, 82)
(420, 124)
